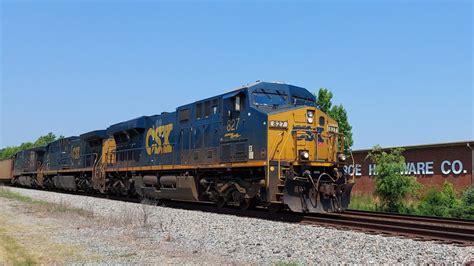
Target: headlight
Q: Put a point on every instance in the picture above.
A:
(304, 155)
(341, 157)
(310, 116)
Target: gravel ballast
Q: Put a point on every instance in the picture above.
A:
(144, 232)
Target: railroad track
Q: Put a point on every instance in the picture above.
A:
(441, 230)
(415, 218)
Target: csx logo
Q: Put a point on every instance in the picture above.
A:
(76, 153)
(309, 136)
(158, 140)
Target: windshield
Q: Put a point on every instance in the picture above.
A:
(269, 98)
(302, 101)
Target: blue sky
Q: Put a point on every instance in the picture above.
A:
(402, 69)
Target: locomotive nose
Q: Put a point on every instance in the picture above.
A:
(313, 142)
(304, 135)
(309, 144)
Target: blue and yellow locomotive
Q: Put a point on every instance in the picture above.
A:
(263, 144)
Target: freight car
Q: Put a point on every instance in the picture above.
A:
(262, 144)
(6, 167)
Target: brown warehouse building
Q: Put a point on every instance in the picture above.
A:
(432, 164)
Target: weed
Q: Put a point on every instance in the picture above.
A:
(15, 253)
(363, 203)
(146, 215)
(62, 207)
(6, 193)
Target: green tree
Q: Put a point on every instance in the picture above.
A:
(9, 151)
(323, 100)
(390, 184)
(338, 112)
(43, 140)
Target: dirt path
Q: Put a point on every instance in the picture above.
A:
(24, 236)
(46, 233)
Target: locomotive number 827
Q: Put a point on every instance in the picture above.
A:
(264, 144)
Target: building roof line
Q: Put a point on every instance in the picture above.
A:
(424, 146)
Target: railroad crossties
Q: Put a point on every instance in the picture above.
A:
(47, 227)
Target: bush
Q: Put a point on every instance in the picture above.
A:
(390, 185)
(465, 209)
(439, 203)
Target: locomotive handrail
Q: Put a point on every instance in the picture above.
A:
(114, 151)
(90, 155)
(279, 155)
(96, 160)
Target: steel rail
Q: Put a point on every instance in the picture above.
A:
(435, 230)
(416, 218)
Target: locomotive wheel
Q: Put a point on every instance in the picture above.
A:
(220, 202)
(246, 204)
(274, 207)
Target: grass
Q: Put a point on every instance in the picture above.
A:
(30, 247)
(5, 193)
(29, 244)
(51, 207)
(14, 252)
(363, 203)
(63, 208)
(445, 202)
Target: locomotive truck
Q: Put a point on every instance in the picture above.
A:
(263, 144)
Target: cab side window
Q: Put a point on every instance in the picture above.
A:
(215, 106)
(184, 115)
(238, 102)
(199, 111)
(207, 109)
(322, 121)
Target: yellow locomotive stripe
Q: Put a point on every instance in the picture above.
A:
(187, 167)
(177, 167)
(159, 168)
